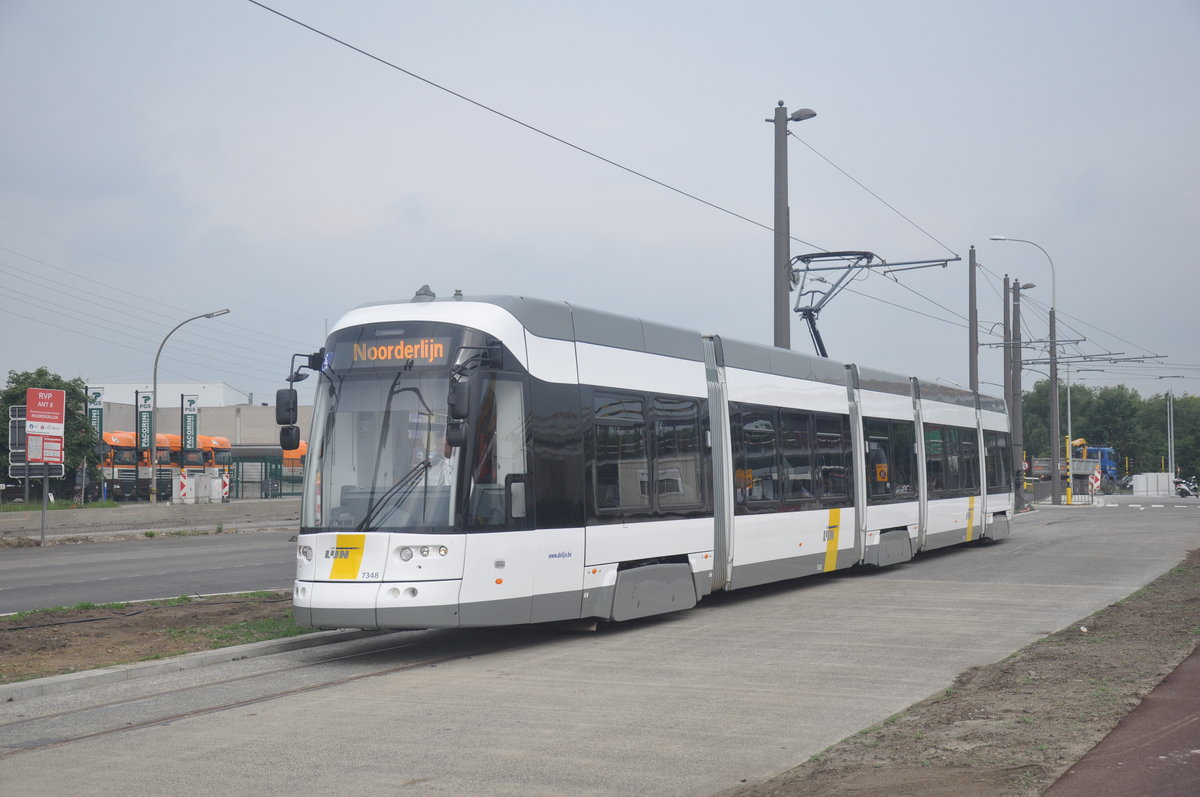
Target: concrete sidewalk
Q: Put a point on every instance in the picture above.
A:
(248, 513)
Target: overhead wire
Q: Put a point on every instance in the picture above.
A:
(90, 333)
(148, 304)
(887, 204)
(516, 121)
(112, 310)
(609, 161)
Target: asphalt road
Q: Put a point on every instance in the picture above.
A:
(144, 569)
(744, 686)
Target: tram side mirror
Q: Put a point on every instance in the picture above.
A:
(289, 438)
(285, 407)
(456, 434)
(459, 402)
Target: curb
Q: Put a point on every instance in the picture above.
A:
(70, 682)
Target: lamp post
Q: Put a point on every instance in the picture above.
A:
(1015, 416)
(1171, 432)
(1055, 443)
(783, 248)
(154, 403)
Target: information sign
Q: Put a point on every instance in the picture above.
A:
(45, 411)
(95, 408)
(145, 421)
(190, 420)
(45, 422)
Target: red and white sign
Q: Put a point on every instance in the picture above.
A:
(1094, 479)
(45, 424)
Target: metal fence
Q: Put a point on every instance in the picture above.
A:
(1042, 492)
(263, 477)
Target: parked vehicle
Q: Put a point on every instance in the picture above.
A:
(1085, 460)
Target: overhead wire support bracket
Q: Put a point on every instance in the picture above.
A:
(814, 292)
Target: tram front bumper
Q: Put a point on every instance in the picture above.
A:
(386, 605)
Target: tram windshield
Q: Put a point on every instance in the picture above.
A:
(379, 457)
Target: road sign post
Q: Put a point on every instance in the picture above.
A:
(45, 428)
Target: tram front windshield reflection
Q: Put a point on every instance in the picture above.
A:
(382, 460)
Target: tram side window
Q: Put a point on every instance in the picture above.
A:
(969, 467)
(796, 444)
(499, 465)
(935, 460)
(904, 460)
(622, 462)
(879, 458)
(677, 463)
(759, 468)
(951, 461)
(790, 459)
(832, 458)
(998, 461)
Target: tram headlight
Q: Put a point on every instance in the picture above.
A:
(425, 551)
(305, 552)
(443, 551)
(405, 554)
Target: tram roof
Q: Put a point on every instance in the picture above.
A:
(561, 320)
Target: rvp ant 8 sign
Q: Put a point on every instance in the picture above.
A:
(45, 419)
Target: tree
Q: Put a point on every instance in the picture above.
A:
(79, 437)
(1187, 435)
(1035, 416)
(1117, 416)
(1114, 420)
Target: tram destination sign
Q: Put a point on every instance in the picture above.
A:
(392, 352)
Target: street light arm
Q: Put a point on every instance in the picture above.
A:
(1053, 275)
(154, 400)
(1054, 441)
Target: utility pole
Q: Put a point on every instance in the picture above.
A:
(1055, 439)
(972, 324)
(1007, 347)
(781, 262)
(1018, 428)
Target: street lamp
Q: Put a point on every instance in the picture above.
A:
(1016, 419)
(1171, 430)
(783, 247)
(154, 406)
(1055, 442)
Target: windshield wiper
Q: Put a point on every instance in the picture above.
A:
(402, 488)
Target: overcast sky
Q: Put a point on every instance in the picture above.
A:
(161, 160)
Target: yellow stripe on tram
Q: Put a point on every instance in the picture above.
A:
(970, 518)
(833, 530)
(348, 555)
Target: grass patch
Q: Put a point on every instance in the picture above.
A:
(35, 505)
(241, 633)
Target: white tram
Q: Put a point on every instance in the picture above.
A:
(503, 460)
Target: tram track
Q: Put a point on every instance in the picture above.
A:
(111, 716)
